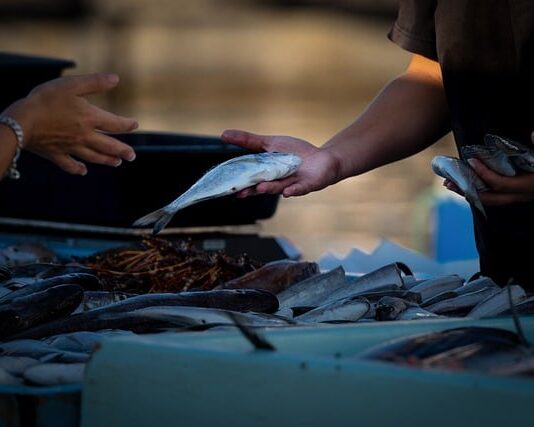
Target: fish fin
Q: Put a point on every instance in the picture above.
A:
(257, 340)
(159, 218)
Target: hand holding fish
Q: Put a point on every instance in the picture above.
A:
(318, 170)
(60, 125)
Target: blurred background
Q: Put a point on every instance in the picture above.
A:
(301, 68)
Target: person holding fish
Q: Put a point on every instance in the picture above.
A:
(56, 122)
(471, 73)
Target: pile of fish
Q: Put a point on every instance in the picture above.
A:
(52, 315)
(502, 155)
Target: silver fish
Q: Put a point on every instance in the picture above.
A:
(227, 178)
(432, 287)
(521, 155)
(498, 303)
(462, 302)
(492, 157)
(348, 309)
(477, 284)
(49, 374)
(39, 350)
(389, 274)
(389, 308)
(16, 365)
(82, 342)
(463, 176)
(7, 378)
(97, 299)
(314, 290)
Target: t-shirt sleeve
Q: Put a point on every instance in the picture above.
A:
(414, 30)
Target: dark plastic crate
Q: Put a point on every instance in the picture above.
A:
(166, 165)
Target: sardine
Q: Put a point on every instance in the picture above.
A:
(462, 302)
(463, 176)
(498, 303)
(50, 374)
(275, 276)
(227, 178)
(432, 287)
(492, 157)
(31, 310)
(314, 290)
(349, 309)
(521, 155)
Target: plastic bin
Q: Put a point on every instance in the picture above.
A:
(313, 379)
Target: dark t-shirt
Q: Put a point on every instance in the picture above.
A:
(486, 52)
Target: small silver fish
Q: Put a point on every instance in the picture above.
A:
(464, 301)
(416, 313)
(16, 365)
(463, 176)
(227, 178)
(491, 156)
(432, 287)
(348, 309)
(49, 374)
(521, 155)
(498, 303)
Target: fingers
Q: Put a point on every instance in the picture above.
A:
(109, 122)
(109, 146)
(451, 186)
(503, 184)
(248, 140)
(92, 156)
(90, 83)
(68, 164)
(297, 189)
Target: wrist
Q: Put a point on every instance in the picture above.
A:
(21, 112)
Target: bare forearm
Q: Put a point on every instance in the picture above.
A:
(407, 116)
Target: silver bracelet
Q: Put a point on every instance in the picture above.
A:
(11, 123)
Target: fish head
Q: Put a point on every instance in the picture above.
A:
(280, 165)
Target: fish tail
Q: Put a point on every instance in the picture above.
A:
(475, 200)
(159, 218)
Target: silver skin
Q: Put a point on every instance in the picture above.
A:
(49, 374)
(314, 290)
(462, 176)
(462, 301)
(521, 155)
(348, 309)
(416, 313)
(498, 303)
(227, 178)
(432, 287)
(491, 156)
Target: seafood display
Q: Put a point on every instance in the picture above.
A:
(502, 155)
(53, 315)
(227, 178)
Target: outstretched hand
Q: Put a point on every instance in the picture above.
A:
(319, 168)
(62, 126)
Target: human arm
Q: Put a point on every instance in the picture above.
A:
(408, 115)
(60, 125)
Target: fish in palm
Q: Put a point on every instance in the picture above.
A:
(227, 178)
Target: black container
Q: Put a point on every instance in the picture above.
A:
(166, 166)
(19, 74)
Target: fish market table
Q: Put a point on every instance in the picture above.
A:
(313, 378)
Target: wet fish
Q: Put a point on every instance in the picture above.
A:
(409, 296)
(471, 348)
(26, 253)
(83, 341)
(498, 303)
(521, 155)
(349, 309)
(227, 178)
(86, 281)
(9, 379)
(432, 287)
(275, 276)
(491, 156)
(462, 303)
(16, 365)
(97, 299)
(523, 308)
(50, 374)
(228, 299)
(5, 273)
(475, 285)
(389, 274)
(314, 290)
(463, 176)
(31, 310)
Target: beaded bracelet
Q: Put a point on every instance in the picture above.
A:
(13, 173)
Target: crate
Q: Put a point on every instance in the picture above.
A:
(313, 379)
